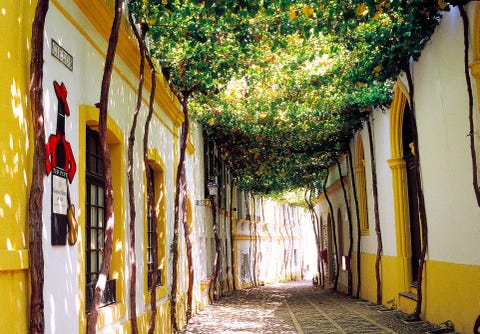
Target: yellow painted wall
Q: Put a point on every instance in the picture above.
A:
(452, 293)
(162, 321)
(452, 290)
(14, 301)
(181, 310)
(389, 267)
(368, 289)
(16, 142)
(15, 167)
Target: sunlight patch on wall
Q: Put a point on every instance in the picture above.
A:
(118, 246)
(17, 103)
(8, 200)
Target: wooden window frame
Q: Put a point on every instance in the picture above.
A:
(95, 205)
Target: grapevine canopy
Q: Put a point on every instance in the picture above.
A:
(282, 85)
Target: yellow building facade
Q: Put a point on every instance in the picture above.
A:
(15, 171)
(75, 40)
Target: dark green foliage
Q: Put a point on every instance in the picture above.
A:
(281, 85)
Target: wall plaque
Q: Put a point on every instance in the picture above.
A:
(62, 55)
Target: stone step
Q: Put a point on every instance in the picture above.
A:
(407, 302)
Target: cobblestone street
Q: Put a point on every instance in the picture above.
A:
(298, 307)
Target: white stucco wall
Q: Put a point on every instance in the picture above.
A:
(83, 85)
(380, 121)
(441, 109)
(196, 166)
(441, 103)
(61, 269)
(368, 241)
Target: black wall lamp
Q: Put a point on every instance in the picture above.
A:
(212, 192)
(212, 187)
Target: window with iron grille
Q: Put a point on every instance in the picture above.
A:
(95, 221)
(150, 237)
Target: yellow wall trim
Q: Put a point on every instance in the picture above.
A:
(101, 17)
(158, 165)
(399, 186)
(190, 148)
(88, 115)
(98, 13)
(476, 35)
(397, 108)
(13, 259)
(205, 283)
(361, 185)
(475, 67)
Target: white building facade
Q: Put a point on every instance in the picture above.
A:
(452, 267)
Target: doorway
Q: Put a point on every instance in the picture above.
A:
(331, 251)
(411, 166)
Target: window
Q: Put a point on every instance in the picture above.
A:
(150, 238)
(95, 218)
(331, 254)
(245, 267)
(361, 186)
(240, 204)
(155, 174)
(258, 208)
(340, 233)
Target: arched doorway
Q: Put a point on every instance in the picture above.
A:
(398, 165)
(340, 233)
(330, 250)
(411, 165)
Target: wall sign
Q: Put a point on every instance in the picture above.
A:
(61, 162)
(59, 191)
(62, 55)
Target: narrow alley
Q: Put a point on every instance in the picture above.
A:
(155, 153)
(298, 307)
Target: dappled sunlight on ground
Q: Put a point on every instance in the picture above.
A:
(298, 307)
(249, 311)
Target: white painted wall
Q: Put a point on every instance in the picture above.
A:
(273, 237)
(381, 138)
(442, 121)
(61, 269)
(196, 165)
(368, 241)
(83, 85)
(442, 116)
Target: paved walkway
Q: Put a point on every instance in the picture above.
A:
(298, 308)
